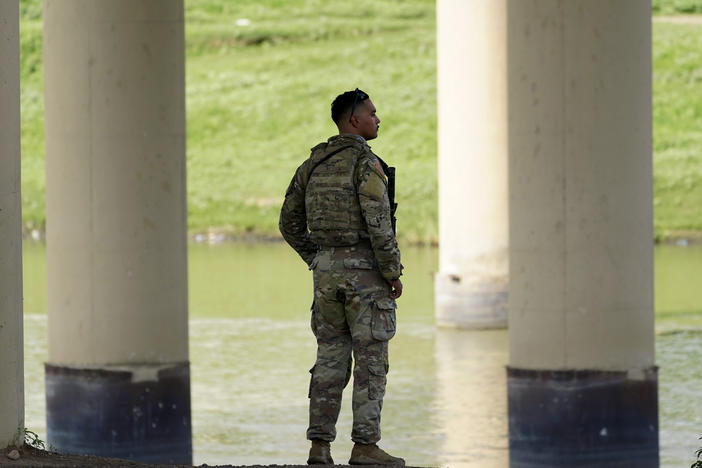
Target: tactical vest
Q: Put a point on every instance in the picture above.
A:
(333, 212)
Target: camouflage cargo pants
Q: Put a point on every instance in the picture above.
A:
(351, 314)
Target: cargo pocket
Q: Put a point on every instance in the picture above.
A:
(383, 321)
(376, 381)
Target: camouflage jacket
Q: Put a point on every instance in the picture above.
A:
(340, 201)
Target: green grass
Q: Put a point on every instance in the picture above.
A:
(32, 116)
(258, 98)
(672, 7)
(677, 123)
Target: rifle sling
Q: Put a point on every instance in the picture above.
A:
(325, 158)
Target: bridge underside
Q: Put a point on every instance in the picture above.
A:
(545, 219)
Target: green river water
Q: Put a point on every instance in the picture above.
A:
(251, 348)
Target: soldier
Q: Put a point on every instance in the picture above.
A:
(338, 215)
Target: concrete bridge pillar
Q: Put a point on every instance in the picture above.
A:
(582, 383)
(472, 283)
(11, 340)
(118, 379)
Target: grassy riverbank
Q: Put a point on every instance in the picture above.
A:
(677, 127)
(261, 74)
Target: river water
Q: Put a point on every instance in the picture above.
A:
(251, 348)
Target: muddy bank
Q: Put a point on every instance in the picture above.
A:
(29, 456)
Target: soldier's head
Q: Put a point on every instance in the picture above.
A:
(353, 112)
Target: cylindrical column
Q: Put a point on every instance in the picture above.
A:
(582, 384)
(472, 282)
(11, 342)
(117, 380)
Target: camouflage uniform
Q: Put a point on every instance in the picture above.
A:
(338, 220)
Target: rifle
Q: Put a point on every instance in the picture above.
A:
(390, 172)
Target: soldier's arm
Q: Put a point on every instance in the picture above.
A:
(293, 218)
(375, 207)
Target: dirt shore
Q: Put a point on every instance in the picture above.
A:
(29, 456)
(40, 458)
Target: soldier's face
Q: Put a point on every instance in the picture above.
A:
(366, 120)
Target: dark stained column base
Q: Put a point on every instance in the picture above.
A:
(579, 418)
(135, 412)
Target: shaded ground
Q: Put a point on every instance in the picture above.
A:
(40, 458)
(30, 456)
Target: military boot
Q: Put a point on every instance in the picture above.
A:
(371, 454)
(320, 453)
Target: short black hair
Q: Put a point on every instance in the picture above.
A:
(345, 102)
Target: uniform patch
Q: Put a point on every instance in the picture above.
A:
(374, 187)
(378, 168)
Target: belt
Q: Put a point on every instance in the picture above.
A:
(363, 244)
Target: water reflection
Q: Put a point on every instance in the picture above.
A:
(472, 397)
(251, 348)
(679, 396)
(248, 389)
